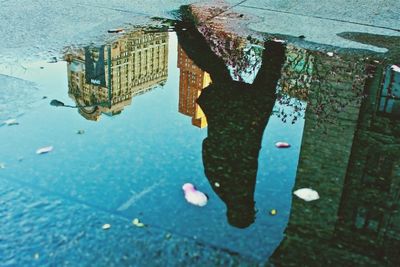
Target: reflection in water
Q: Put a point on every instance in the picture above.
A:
(352, 158)
(139, 62)
(192, 80)
(354, 164)
(237, 114)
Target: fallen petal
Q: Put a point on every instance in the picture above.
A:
(2, 165)
(115, 30)
(330, 54)
(282, 145)
(10, 122)
(137, 223)
(273, 212)
(306, 194)
(106, 226)
(193, 196)
(44, 150)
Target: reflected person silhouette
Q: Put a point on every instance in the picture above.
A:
(237, 114)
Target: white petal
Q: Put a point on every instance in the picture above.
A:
(10, 122)
(306, 194)
(106, 226)
(44, 150)
(282, 145)
(196, 198)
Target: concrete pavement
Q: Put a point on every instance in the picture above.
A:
(40, 29)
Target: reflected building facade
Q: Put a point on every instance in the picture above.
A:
(354, 164)
(369, 217)
(192, 80)
(103, 80)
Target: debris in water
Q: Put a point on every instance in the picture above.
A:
(306, 194)
(282, 145)
(330, 54)
(302, 37)
(106, 226)
(10, 122)
(44, 150)
(168, 236)
(118, 30)
(36, 256)
(194, 196)
(273, 212)
(217, 184)
(80, 132)
(136, 222)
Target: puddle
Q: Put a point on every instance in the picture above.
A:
(155, 110)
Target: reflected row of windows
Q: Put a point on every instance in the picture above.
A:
(389, 101)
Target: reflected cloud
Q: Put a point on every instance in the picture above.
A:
(104, 79)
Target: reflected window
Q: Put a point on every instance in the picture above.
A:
(378, 171)
(389, 102)
(368, 219)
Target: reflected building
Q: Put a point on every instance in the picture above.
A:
(354, 164)
(192, 80)
(369, 217)
(103, 80)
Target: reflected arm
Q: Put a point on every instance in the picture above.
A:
(197, 48)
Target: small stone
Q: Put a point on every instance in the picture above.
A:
(106, 226)
(273, 212)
